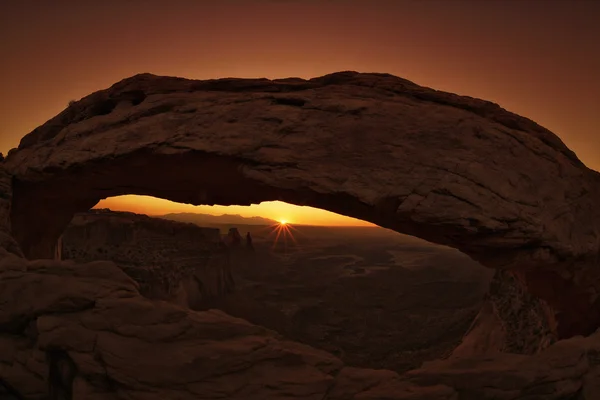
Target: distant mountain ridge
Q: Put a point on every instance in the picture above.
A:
(203, 219)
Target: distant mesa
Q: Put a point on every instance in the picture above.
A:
(208, 219)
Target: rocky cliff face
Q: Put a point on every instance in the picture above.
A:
(452, 170)
(511, 320)
(449, 169)
(6, 240)
(170, 260)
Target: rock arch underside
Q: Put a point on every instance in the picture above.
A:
(450, 169)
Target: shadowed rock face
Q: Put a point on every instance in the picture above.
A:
(172, 261)
(511, 320)
(6, 240)
(83, 331)
(449, 169)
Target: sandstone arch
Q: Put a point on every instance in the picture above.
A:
(449, 169)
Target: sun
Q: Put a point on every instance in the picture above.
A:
(282, 229)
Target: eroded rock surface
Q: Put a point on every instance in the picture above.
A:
(173, 261)
(511, 320)
(6, 240)
(452, 170)
(83, 331)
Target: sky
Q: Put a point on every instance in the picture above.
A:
(538, 58)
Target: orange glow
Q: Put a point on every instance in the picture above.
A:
(275, 210)
(283, 232)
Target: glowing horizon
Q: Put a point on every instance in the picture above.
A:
(283, 213)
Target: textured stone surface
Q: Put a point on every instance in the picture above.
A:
(6, 240)
(511, 320)
(450, 169)
(83, 331)
(173, 261)
(565, 370)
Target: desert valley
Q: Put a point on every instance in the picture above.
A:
(373, 297)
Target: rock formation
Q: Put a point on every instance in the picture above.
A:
(449, 169)
(233, 239)
(174, 261)
(511, 320)
(249, 244)
(6, 240)
(182, 263)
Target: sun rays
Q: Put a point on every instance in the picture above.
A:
(282, 231)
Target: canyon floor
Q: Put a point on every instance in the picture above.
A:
(373, 297)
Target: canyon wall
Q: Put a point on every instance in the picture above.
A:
(173, 261)
(6, 240)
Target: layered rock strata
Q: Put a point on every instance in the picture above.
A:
(173, 261)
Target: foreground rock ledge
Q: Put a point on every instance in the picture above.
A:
(449, 169)
(86, 330)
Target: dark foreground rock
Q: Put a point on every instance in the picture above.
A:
(84, 330)
(174, 261)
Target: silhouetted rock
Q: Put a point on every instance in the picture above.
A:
(6, 240)
(233, 239)
(224, 219)
(249, 244)
(1, 157)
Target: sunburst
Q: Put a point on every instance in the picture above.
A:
(282, 230)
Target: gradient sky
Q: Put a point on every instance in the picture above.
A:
(540, 59)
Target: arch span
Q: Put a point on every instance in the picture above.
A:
(449, 169)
